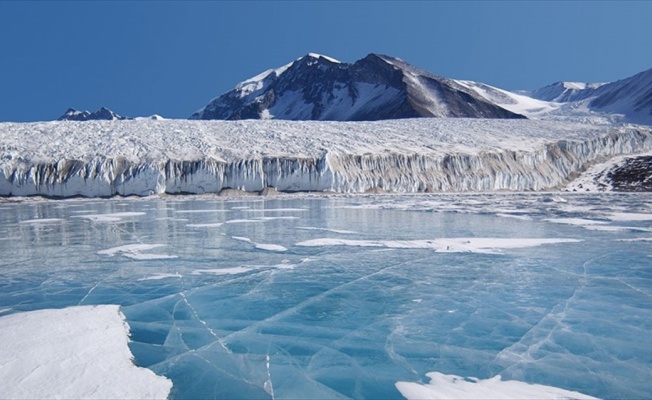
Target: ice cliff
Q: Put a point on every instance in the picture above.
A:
(144, 157)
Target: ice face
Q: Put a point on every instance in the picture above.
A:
(224, 297)
(147, 157)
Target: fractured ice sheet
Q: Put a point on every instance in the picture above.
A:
(72, 353)
(450, 387)
(230, 320)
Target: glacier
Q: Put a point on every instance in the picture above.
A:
(147, 157)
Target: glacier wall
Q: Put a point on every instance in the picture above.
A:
(541, 167)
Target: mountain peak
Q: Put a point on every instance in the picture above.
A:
(318, 56)
(318, 87)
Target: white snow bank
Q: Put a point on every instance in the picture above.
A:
(144, 157)
(72, 353)
(450, 387)
(453, 245)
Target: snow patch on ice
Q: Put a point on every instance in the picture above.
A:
(630, 217)
(41, 221)
(575, 221)
(200, 211)
(270, 247)
(261, 246)
(73, 353)
(274, 209)
(453, 245)
(135, 251)
(342, 231)
(208, 225)
(159, 276)
(112, 217)
(222, 271)
(450, 387)
(243, 221)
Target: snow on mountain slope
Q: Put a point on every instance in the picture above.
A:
(514, 102)
(631, 97)
(316, 87)
(142, 157)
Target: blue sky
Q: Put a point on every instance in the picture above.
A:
(171, 58)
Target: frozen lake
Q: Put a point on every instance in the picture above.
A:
(344, 297)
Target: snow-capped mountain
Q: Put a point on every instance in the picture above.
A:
(564, 92)
(629, 98)
(102, 114)
(377, 87)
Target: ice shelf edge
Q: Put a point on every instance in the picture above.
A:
(542, 168)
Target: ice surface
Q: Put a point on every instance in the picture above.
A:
(107, 158)
(522, 296)
(72, 353)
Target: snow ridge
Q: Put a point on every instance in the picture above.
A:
(101, 159)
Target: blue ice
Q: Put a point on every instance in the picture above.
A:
(223, 298)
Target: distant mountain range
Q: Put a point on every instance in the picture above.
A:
(630, 97)
(377, 87)
(102, 114)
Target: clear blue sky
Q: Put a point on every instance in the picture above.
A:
(171, 58)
